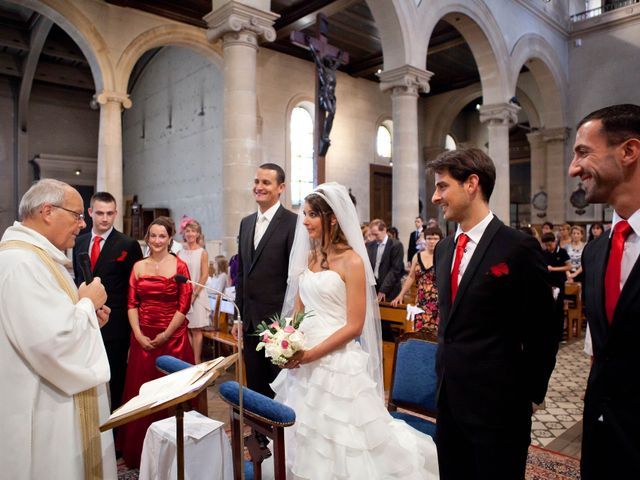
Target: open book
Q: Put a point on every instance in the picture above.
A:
(164, 389)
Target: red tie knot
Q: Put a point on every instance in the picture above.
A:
(463, 239)
(623, 229)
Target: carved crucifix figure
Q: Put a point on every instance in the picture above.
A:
(328, 59)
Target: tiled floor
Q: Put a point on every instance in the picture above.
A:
(564, 397)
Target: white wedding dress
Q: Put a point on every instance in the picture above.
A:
(342, 429)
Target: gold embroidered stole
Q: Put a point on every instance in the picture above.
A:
(86, 402)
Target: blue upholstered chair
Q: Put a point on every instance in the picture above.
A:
(414, 382)
(263, 415)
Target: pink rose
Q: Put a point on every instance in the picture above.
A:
(275, 325)
(285, 344)
(265, 338)
(289, 329)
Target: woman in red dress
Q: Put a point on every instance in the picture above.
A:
(157, 313)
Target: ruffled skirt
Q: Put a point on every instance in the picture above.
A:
(343, 430)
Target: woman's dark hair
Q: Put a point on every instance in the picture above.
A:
(332, 235)
(595, 225)
(168, 225)
(393, 232)
(433, 231)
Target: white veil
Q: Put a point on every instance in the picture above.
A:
(338, 198)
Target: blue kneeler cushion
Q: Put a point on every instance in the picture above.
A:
(258, 405)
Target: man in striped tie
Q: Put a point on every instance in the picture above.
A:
(607, 161)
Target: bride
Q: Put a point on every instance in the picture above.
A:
(342, 430)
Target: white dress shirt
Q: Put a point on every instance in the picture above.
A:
(631, 245)
(262, 223)
(381, 246)
(475, 234)
(104, 237)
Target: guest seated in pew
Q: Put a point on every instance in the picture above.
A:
(422, 273)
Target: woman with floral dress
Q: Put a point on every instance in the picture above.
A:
(422, 272)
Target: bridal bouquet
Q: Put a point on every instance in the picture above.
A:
(281, 338)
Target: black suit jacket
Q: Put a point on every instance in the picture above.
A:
(613, 389)
(411, 249)
(497, 342)
(391, 267)
(114, 265)
(262, 273)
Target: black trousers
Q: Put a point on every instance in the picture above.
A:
(118, 354)
(469, 452)
(260, 371)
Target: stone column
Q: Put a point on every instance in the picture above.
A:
(405, 83)
(498, 118)
(239, 25)
(431, 210)
(538, 159)
(555, 141)
(109, 167)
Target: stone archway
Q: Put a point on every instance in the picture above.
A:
(162, 36)
(548, 143)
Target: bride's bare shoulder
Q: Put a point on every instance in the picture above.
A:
(349, 259)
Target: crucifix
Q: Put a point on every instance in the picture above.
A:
(328, 59)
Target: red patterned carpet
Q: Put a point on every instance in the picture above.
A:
(542, 464)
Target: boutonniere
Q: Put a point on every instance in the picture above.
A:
(122, 256)
(499, 270)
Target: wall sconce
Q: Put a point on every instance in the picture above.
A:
(77, 172)
(579, 199)
(539, 202)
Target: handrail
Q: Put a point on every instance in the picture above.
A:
(594, 12)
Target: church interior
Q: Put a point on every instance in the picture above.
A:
(170, 105)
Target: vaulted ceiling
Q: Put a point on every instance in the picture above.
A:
(351, 28)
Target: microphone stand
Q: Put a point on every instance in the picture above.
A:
(240, 373)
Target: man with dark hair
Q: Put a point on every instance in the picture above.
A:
(385, 255)
(496, 348)
(265, 240)
(547, 227)
(413, 239)
(112, 255)
(558, 264)
(607, 160)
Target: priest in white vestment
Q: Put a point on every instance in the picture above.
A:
(51, 349)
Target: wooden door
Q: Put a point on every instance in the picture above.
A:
(380, 193)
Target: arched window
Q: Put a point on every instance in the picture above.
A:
(301, 138)
(383, 142)
(449, 143)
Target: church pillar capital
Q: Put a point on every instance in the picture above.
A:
(550, 135)
(535, 139)
(104, 97)
(238, 23)
(405, 80)
(499, 114)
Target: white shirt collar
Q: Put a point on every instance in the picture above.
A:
(634, 221)
(384, 242)
(475, 234)
(271, 211)
(104, 235)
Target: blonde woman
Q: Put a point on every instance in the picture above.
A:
(197, 260)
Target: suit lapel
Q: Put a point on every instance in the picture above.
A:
(476, 258)
(273, 225)
(444, 260)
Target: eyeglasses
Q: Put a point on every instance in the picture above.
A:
(79, 216)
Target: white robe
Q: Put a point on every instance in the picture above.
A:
(50, 349)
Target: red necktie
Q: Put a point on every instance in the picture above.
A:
(614, 266)
(462, 242)
(95, 250)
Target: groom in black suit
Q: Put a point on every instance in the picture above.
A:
(112, 258)
(496, 338)
(607, 159)
(265, 241)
